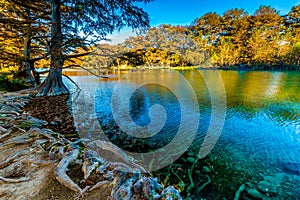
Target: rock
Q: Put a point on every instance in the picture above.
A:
(191, 154)
(206, 170)
(255, 194)
(248, 184)
(267, 187)
(239, 192)
(171, 193)
(191, 159)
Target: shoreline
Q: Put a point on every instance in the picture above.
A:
(45, 167)
(31, 154)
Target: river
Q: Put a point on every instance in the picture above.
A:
(254, 117)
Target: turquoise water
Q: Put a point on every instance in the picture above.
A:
(262, 121)
(263, 108)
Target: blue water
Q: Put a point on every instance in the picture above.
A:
(262, 121)
(262, 117)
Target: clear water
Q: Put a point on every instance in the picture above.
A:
(262, 113)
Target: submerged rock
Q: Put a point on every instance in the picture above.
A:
(255, 194)
(206, 170)
(191, 159)
(290, 167)
(267, 187)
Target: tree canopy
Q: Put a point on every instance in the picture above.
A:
(57, 33)
(263, 40)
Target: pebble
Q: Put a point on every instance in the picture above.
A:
(255, 194)
(206, 169)
(191, 159)
(191, 154)
(248, 184)
(267, 187)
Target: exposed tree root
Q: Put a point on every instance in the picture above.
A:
(102, 145)
(10, 180)
(9, 113)
(2, 130)
(99, 185)
(15, 142)
(90, 163)
(61, 171)
(127, 178)
(5, 135)
(39, 162)
(10, 159)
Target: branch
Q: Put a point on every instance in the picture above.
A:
(39, 58)
(78, 88)
(92, 54)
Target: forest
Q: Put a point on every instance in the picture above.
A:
(51, 133)
(234, 40)
(263, 40)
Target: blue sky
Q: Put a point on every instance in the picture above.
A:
(183, 12)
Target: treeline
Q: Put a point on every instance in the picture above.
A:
(263, 40)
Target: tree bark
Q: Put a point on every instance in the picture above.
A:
(25, 70)
(53, 84)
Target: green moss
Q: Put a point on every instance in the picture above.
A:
(26, 125)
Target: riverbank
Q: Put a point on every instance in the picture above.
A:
(38, 163)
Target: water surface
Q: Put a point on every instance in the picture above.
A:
(262, 112)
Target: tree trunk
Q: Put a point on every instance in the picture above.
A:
(53, 84)
(25, 70)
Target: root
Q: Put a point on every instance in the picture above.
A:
(56, 152)
(2, 129)
(61, 171)
(39, 162)
(9, 113)
(10, 180)
(117, 151)
(41, 132)
(5, 135)
(87, 168)
(7, 161)
(15, 142)
(99, 185)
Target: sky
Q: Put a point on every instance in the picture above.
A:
(183, 12)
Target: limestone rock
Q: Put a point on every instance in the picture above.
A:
(255, 194)
(267, 187)
(206, 170)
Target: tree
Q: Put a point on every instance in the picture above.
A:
(164, 40)
(208, 27)
(22, 35)
(79, 24)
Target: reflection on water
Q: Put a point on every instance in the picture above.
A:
(262, 120)
(263, 108)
